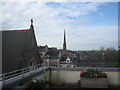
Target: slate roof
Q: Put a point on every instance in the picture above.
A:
(53, 53)
(18, 48)
(41, 48)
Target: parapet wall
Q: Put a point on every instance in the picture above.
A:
(60, 76)
(64, 76)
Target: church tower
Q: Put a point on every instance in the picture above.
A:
(64, 43)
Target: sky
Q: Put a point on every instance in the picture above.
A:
(88, 25)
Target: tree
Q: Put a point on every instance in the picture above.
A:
(111, 55)
(102, 48)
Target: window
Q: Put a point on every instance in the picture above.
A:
(41, 54)
(32, 65)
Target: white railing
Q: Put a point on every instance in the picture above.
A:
(18, 72)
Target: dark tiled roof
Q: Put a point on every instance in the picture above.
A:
(41, 48)
(15, 30)
(18, 48)
(53, 52)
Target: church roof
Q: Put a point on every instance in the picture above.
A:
(14, 30)
(18, 48)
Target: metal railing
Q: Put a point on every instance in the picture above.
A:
(21, 75)
(99, 64)
(32, 68)
(17, 77)
(18, 72)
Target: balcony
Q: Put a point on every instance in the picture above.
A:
(57, 77)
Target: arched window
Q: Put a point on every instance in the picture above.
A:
(32, 64)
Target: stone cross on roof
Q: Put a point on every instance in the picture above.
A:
(31, 21)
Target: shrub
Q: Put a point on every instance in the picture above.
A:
(37, 83)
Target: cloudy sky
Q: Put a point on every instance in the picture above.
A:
(88, 25)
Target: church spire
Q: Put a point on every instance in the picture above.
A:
(64, 44)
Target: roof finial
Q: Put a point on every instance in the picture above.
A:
(31, 26)
(31, 21)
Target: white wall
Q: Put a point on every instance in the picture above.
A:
(60, 77)
(69, 77)
(113, 78)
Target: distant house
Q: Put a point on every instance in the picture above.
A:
(43, 51)
(19, 49)
(67, 63)
(52, 57)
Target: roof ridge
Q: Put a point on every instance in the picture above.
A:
(15, 30)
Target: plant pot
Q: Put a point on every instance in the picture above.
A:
(94, 82)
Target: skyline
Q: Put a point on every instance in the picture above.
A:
(88, 25)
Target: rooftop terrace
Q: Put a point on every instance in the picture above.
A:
(56, 76)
